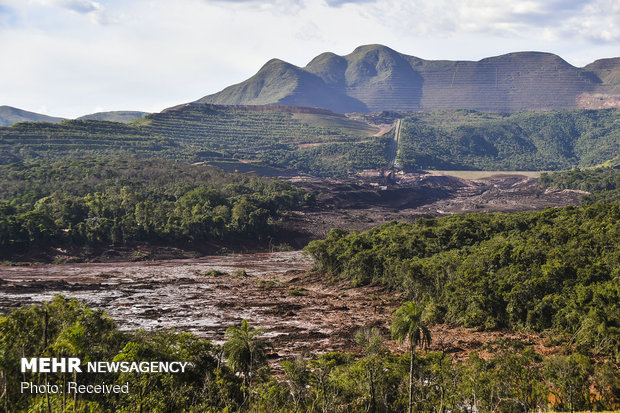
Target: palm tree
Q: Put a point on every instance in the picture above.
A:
(245, 350)
(72, 340)
(409, 324)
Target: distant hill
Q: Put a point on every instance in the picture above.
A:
(10, 115)
(232, 137)
(535, 141)
(115, 116)
(271, 139)
(377, 78)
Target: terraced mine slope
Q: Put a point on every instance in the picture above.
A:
(276, 140)
(376, 78)
(25, 141)
(242, 131)
(315, 141)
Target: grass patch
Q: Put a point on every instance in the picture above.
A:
(296, 292)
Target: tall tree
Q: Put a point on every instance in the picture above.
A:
(409, 325)
(298, 377)
(371, 342)
(245, 350)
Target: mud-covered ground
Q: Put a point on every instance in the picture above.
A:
(304, 312)
(302, 315)
(360, 204)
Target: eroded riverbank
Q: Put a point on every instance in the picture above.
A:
(302, 313)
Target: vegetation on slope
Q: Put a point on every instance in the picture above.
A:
(74, 138)
(558, 268)
(512, 377)
(602, 183)
(317, 143)
(469, 140)
(325, 144)
(101, 201)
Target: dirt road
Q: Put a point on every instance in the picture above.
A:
(396, 144)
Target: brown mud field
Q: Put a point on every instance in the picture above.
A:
(304, 313)
(375, 199)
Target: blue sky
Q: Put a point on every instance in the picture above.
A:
(73, 57)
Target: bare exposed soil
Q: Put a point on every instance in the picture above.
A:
(373, 200)
(179, 294)
(304, 313)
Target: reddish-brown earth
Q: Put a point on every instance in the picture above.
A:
(373, 200)
(304, 313)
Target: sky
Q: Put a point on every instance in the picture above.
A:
(69, 58)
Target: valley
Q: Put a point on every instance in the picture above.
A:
(357, 203)
(322, 242)
(309, 206)
(303, 313)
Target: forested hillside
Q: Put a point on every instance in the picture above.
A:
(115, 201)
(557, 268)
(603, 184)
(469, 140)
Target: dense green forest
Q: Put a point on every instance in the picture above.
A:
(89, 201)
(603, 184)
(235, 376)
(554, 269)
(470, 140)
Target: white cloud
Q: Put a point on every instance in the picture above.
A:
(33, 10)
(595, 20)
(160, 53)
(80, 6)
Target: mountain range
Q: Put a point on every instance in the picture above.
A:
(376, 78)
